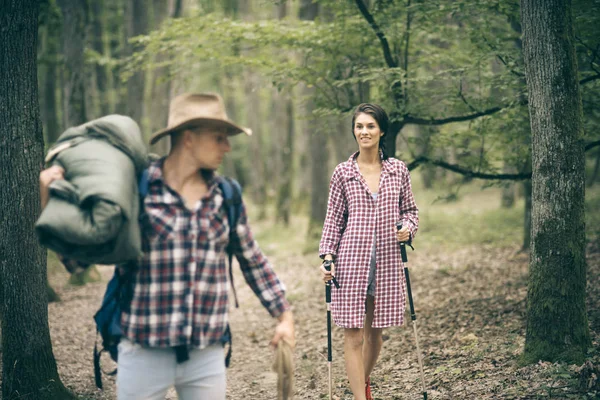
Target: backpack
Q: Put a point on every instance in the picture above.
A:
(119, 290)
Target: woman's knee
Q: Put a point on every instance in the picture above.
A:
(374, 336)
(354, 337)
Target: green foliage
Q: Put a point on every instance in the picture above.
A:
(445, 69)
(451, 58)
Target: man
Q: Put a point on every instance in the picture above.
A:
(179, 308)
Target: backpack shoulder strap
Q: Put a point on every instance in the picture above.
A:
(144, 183)
(232, 201)
(232, 193)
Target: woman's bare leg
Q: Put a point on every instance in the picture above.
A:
(373, 340)
(353, 356)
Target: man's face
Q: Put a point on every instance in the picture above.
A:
(208, 146)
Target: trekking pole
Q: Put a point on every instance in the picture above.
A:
(327, 265)
(413, 316)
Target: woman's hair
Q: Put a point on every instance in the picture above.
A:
(379, 114)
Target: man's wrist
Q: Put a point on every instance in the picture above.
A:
(286, 316)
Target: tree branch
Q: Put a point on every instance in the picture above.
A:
(478, 175)
(591, 145)
(512, 71)
(466, 172)
(384, 43)
(589, 79)
(409, 119)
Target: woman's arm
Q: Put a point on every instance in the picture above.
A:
(409, 213)
(336, 217)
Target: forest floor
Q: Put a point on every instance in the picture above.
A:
(469, 286)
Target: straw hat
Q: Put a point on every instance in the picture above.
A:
(198, 109)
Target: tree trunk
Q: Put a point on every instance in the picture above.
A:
(100, 74)
(161, 80)
(49, 76)
(117, 39)
(136, 23)
(527, 216)
(28, 364)
(390, 140)
(161, 86)
(427, 171)
(594, 176)
(285, 195)
(318, 153)
(257, 142)
(508, 194)
(509, 188)
(73, 41)
(557, 325)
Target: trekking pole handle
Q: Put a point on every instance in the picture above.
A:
(327, 265)
(402, 245)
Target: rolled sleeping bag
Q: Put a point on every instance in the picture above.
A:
(92, 215)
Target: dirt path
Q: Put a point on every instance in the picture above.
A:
(470, 308)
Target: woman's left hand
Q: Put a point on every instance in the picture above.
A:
(403, 235)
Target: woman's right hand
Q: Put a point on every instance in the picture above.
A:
(48, 176)
(328, 275)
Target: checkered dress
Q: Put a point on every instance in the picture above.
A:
(353, 217)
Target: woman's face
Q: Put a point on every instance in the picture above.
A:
(367, 132)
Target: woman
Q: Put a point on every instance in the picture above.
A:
(368, 195)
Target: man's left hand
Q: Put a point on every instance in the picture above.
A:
(284, 330)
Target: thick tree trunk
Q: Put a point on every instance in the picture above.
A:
(527, 216)
(136, 23)
(28, 364)
(557, 325)
(73, 41)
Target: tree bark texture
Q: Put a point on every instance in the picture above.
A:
(100, 73)
(527, 215)
(73, 42)
(136, 23)
(29, 368)
(557, 325)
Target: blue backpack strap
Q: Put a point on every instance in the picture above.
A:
(232, 201)
(144, 183)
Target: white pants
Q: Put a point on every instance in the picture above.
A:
(147, 374)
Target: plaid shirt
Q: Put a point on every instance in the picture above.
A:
(181, 287)
(353, 218)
